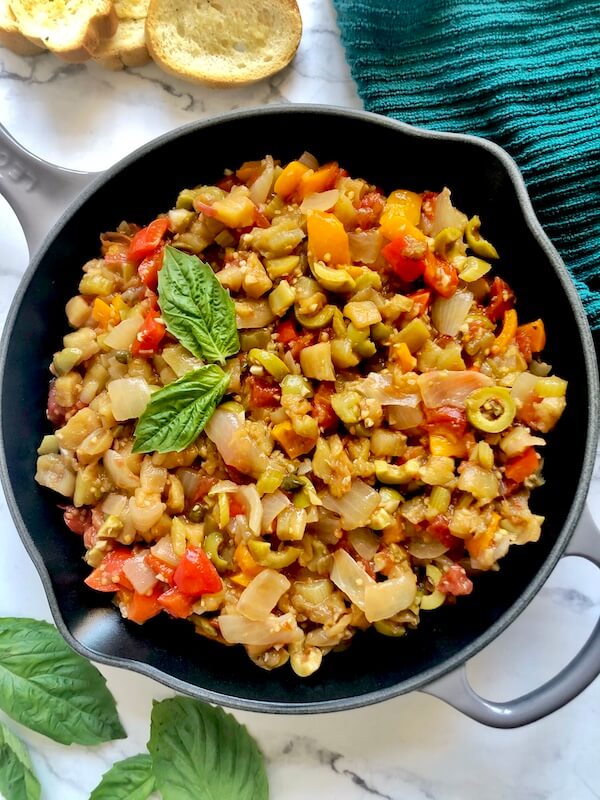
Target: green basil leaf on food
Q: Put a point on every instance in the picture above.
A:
(17, 779)
(50, 689)
(177, 414)
(129, 779)
(196, 309)
(202, 753)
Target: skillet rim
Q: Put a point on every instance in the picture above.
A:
(447, 665)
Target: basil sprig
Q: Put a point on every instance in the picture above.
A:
(49, 688)
(199, 751)
(196, 309)
(129, 779)
(17, 780)
(177, 413)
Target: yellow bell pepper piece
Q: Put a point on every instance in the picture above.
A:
(394, 224)
(293, 444)
(440, 445)
(327, 238)
(408, 202)
(403, 356)
(508, 332)
(287, 183)
(243, 558)
(104, 314)
(241, 578)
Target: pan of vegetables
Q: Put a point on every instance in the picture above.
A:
(299, 410)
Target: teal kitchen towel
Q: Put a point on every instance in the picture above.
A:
(523, 73)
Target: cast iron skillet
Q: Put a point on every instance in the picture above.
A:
(484, 180)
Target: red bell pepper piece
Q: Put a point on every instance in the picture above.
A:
(195, 574)
(149, 268)
(149, 335)
(421, 300)
(109, 576)
(405, 257)
(147, 240)
(446, 418)
(176, 603)
(143, 607)
(160, 567)
(286, 332)
(235, 507)
(502, 298)
(440, 275)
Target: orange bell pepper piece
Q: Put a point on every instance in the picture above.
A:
(293, 444)
(449, 445)
(318, 181)
(104, 314)
(143, 607)
(408, 202)
(291, 175)
(522, 466)
(327, 238)
(243, 558)
(535, 333)
(393, 223)
(482, 541)
(404, 357)
(508, 332)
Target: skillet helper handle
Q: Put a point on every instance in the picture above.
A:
(456, 690)
(37, 191)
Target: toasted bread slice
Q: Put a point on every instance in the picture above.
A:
(127, 48)
(223, 42)
(72, 29)
(11, 36)
(131, 9)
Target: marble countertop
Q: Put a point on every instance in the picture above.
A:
(413, 747)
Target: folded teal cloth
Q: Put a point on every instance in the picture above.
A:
(523, 73)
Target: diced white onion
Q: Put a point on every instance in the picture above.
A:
(114, 504)
(320, 201)
(147, 513)
(262, 594)
(383, 600)
(253, 314)
(350, 577)
(254, 510)
(128, 397)
(519, 439)
(442, 387)
(381, 388)
(179, 359)
(445, 215)
(152, 479)
(224, 487)
(407, 416)
(123, 335)
(236, 629)
(309, 160)
(365, 542)
(355, 507)
(273, 504)
(163, 549)
(139, 573)
(227, 430)
(118, 471)
(420, 549)
(365, 246)
(190, 480)
(524, 387)
(449, 313)
(259, 191)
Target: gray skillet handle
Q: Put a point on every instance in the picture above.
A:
(37, 191)
(455, 689)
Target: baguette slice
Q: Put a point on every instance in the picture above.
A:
(131, 9)
(11, 36)
(127, 48)
(223, 42)
(72, 29)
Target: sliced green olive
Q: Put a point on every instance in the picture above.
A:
(479, 245)
(342, 354)
(490, 409)
(445, 240)
(296, 385)
(473, 269)
(261, 552)
(338, 324)
(380, 332)
(388, 628)
(347, 406)
(315, 321)
(272, 363)
(66, 359)
(333, 279)
(211, 546)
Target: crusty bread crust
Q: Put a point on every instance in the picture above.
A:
(70, 43)
(223, 42)
(127, 48)
(10, 35)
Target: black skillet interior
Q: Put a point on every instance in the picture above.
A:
(389, 157)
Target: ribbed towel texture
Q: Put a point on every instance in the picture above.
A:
(523, 73)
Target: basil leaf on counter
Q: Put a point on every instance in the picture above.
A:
(196, 309)
(177, 414)
(50, 689)
(17, 780)
(129, 779)
(202, 753)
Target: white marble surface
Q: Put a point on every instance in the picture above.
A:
(410, 748)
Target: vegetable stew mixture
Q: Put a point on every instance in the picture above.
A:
(292, 408)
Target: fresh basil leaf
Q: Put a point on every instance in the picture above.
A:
(50, 689)
(196, 309)
(176, 414)
(130, 779)
(202, 753)
(17, 780)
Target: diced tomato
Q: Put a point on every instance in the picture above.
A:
(440, 275)
(531, 338)
(228, 182)
(522, 466)
(455, 581)
(263, 393)
(109, 576)
(147, 240)
(76, 519)
(235, 507)
(260, 220)
(428, 205)
(421, 300)
(176, 603)
(438, 528)
(502, 298)
(91, 530)
(143, 607)
(160, 568)
(444, 418)
(149, 335)
(286, 332)
(195, 574)
(55, 412)
(322, 409)
(116, 254)
(369, 210)
(205, 484)
(406, 256)
(306, 340)
(149, 268)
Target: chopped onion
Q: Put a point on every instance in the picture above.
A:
(253, 314)
(320, 201)
(163, 549)
(123, 335)
(262, 594)
(365, 246)
(420, 549)
(224, 487)
(114, 504)
(350, 577)
(254, 510)
(259, 191)
(190, 480)
(116, 466)
(145, 511)
(236, 629)
(139, 573)
(442, 387)
(365, 542)
(328, 526)
(524, 387)
(314, 591)
(272, 505)
(128, 397)
(449, 313)
(383, 600)
(381, 388)
(179, 359)
(517, 440)
(445, 215)
(355, 507)
(408, 415)
(227, 430)
(309, 160)
(152, 479)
